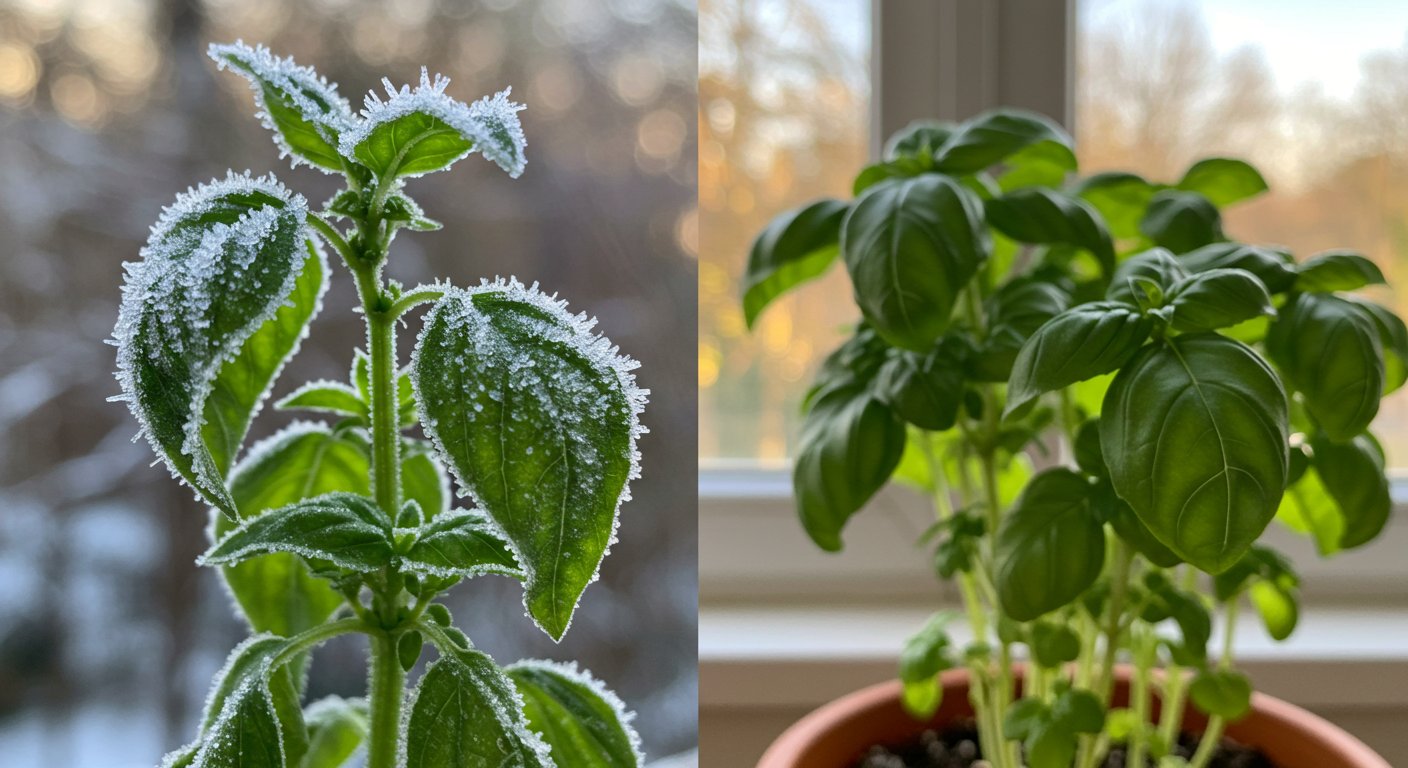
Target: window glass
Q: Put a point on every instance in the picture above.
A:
(1315, 95)
(783, 119)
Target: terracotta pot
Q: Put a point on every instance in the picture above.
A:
(839, 733)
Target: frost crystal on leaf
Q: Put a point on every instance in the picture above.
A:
(303, 110)
(523, 671)
(421, 130)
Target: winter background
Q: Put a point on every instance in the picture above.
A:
(109, 634)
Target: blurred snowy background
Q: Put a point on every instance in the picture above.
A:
(109, 634)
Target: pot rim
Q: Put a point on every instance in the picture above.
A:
(839, 713)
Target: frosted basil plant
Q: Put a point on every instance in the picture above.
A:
(1177, 391)
(347, 525)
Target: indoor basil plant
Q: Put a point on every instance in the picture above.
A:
(348, 525)
(1179, 391)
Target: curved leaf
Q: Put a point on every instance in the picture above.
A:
(304, 112)
(1137, 277)
(422, 479)
(253, 716)
(460, 545)
(1015, 312)
(1275, 269)
(1337, 271)
(1194, 432)
(910, 247)
(797, 246)
(1048, 217)
(1393, 336)
(415, 132)
(1117, 512)
(583, 722)
(1223, 181)
(1218, 298)
(537, 418)
(920, 139)
(346, 529)
(1078, 344)
(1353, 476)
(1181, 221)
(1278, 607)
(336, 728)
(925, 655)
(924, 390)
(465, 711)
(220, 263)
(326, 397)
(1222, 692)
(997, 136)
(1330, 350)
(1120, 198)
(1051, 546)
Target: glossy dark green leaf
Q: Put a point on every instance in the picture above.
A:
(1121, 198)
(1051, 546)
(1048, 217)
(583, 722)
(1054, 644)
(1087, 449)
(1117, 512)
(853, 364)
(330, 397)
(901, 168)
(1223, 181)
(466, 712)
(1217, 298)
(336, 728)
(920, 139)
(1275, 269)
(850, 445)
(303, 110)
(1393, 336)
(460, 544)
(1014, 313)
(345, 529)
(408, 649)
(997, 136)
(1138, 275)
(1337, 271)
(910, 247)
(1222, 692)
(220, 263)
(1194, 432)
(924, 389)
(1181, 221)
(1078, 344)
(537, 418)
(1353, 476)
(422, 130)
(796, 247)
(276, 592)
(1330, 350)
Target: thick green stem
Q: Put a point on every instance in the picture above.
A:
(386, 438)
(385, 693)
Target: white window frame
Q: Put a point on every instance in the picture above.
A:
(947, 59)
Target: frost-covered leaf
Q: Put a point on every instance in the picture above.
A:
(253, 717)
(415, 132)
(326, 397)
(276, 592)
(346, 529)
(466, 712)
(462, 544)
(221, 262)
(336, 728)
(422, 479)
(583, 722)
(303, 110)
(537, 418)
(402, 211)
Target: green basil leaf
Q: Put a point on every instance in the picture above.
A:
(796, 247)
(220, 263)
(1217, 298)
(1155, 266)
(1278, 607)
(926, 653)
(910, 247)
(1181, 221)
(1079, 710)
(924, 390)
(1223, 181)
(1194, 624)
(582, 721)
(1353, 476)
(1054, 644)
(422, 479)
(276, 592)
(537, 418)
(1308, 509)
(304, 111)
(1049, 217)
(466, 706)
(1393, 336)
(1117, 512)
(1015, 312)
(1330, 350)
(345, 529)
(850, 445)
(460, 545)
(336, 728)
(1220, 692)
(403, 211)
(326, 397)
(1194, 432)
(253, 716)
(1025, 718)
(902, 168)
(995, 137)
(1275, 269)
(1078, 344)
(1337, 271)
(920, 139)
(420, 131)
(1120, 198)
(1051, 546)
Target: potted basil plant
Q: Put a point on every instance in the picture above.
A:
(347, 526)
(1178, 390)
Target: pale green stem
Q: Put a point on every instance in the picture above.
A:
(385, 693)
(1175, 683)
(1212, 736)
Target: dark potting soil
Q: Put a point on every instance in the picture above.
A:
(957, 747)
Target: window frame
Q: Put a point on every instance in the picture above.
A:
(947, 59)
